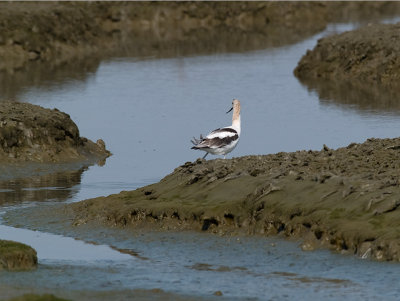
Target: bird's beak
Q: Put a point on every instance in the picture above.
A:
(229, 110)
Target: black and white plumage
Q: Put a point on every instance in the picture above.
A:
(224, 140)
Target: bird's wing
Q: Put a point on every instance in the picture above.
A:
(218, 138)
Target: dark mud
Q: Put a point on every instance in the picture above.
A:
(366, 56)
(30, 133)
(345, 199)
(15, 256)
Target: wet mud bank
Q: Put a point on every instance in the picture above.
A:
(345, 199)
(30, 133)
(366, 56)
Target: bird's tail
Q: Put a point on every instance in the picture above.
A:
(196, 141)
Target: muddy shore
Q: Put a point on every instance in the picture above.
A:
(345, 199)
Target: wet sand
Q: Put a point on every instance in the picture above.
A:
(345, 199)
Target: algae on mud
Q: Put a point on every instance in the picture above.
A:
(344, 199)
(16, 256)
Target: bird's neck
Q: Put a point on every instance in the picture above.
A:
(236, 122)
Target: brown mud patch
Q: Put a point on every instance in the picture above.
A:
(30, 133)
(345, 199)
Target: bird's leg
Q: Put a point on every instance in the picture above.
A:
(205, 155)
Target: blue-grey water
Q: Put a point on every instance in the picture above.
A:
(147, 110)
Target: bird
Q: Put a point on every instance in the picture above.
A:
(223, 140)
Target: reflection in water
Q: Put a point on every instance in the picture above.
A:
(57, 186)
(175, 42)
(356, 95)
(61, 248)
(46, 74)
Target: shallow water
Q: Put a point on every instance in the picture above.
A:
(198, 265)
(146, 110)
